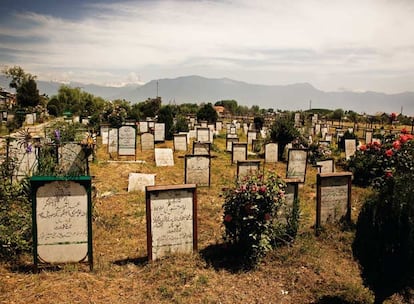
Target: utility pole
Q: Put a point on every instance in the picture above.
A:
(157, 88)
(310, 104)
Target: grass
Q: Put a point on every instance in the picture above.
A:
(312, 270)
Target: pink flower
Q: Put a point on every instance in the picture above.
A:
(228, 218)
(396, 145)
(254, 188)
(262, 189)
(389, 153)
(403, 138)
(363, 148)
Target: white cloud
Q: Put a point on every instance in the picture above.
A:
(308, 40)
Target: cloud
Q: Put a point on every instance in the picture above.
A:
(304, 38)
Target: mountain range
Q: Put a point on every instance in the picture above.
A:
(197, 89)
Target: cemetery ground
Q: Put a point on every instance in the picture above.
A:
(313, 269)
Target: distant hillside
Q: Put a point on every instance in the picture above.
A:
(196, 89)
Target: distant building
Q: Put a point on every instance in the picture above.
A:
(7, 99)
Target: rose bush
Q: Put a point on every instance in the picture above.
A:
(252, 216)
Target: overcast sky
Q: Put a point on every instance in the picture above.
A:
(358, 45)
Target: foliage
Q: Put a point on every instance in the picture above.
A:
(230, 105)
(181, 124)
(258, 122)
(283, 131)
(319, 152)
(252, 217)
(165, 115)
(15, 215)
(369, 163)
(150, 107)
(207, 113)
(384, 241)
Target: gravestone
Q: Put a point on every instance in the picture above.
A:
(72, 159)
(257, 145)
(247, 167)
(271, 153)
(245, 128)
(291, 199)
(297, 120)
(317, 129)
(250, 136)
(104, 134)
(296, 166)
(62, 220)
(350, 148)
(164, 157)
(328, 137)
(143, 127)
(368, 136)
(230, 139)
(138, 181)
(113, 140)
(203, 134)
(180, 142)
(239, 152)
(147, 142)
(159, 132)
(219, 126)
(197, 170)
(326, 165)
(324, 131)
(201, 148)
(233, 130)
(203, 123)
(333, 198)
(127, 140)
(171, 220)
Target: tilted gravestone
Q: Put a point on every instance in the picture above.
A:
(138, 181)
(164, 157)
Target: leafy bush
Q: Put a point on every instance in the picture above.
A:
(283, 131)
(253, 216)
(371, 161)
(384, 241)
(15, 215)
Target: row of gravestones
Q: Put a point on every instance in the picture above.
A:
(62, 216)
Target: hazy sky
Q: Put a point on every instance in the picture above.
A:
(357, 45)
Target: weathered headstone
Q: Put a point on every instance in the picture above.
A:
(230, 139)
(62, 220)
(247, 167)
(171, 220)
(147, 142)
(350, 147)
(239, 152)
(180, 142)
(296, 166)
(159, 132)
(271, 153)
(250, 136)
(219, 126)
(326, 165)
(197, 170)
(104, 131)
(201, 148)
(143, 127)
(138, 181)
(113, 140)
(72, 159)
(164, 157)
(333, 197)
(368, 136)
(127, 140)
(203, 134)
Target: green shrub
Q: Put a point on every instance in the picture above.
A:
(283, 131)
(252, 217)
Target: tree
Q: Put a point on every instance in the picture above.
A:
(258, 122)
(207, 112)
(27, 94)
(283, 132)
(150, 107)
(165, 115)
(229, 105)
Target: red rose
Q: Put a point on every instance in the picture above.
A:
(396, 145)
(267, 217)
(262, 189)
(363, 148)
(404, 131)
(403, 138)
(389, 153)
(388, 174)
(409, 136)
(228, 218)
(254, 189)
